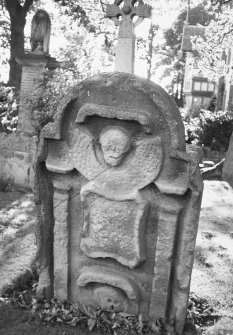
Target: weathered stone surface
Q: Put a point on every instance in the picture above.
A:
(17, 150)
(227, 173)
(61, 240)
(139, 168)
(120, 199)
(165, 249)
(125, 9)
(16, 155)
(33, 66)
(114, 229)
(40, 32)
(109, 289)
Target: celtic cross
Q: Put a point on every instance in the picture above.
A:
(125, 52)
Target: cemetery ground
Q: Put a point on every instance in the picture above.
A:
(211, 278)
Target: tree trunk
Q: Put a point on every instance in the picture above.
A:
(17, 14)
(17, 49)
(152, 34)
(220, 94)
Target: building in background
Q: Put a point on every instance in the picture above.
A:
(197, 90)
(227, 81)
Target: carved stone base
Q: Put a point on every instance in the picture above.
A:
(108, 290)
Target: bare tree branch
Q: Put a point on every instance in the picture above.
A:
(3, 22)
(220, 3)
(103, 6)
(224, 35)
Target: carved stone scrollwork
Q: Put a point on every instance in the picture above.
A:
(109, 289)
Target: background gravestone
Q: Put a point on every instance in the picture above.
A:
(227, 173)
(118, 199)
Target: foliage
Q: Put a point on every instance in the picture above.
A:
(16, 14)
(196, 15)
(5, 34)
(209, 52)
(80, 315)
(173, 56)
(78, 13)
(200, 312)
(53, 87)
(22, 294)
(73, 17)
(211, 129)
(220, 3)
(9, 104)
(148, 49)
(85, 55)
(85, 52)
(89, 15)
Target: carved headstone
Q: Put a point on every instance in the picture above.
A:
(40, 32)
(227, 173)
(125, 51)
(119, 200)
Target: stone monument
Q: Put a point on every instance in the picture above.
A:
(118, 197)
(123, 13)
(17, 150)
(34, 64)
(227, 173)
(40, 32)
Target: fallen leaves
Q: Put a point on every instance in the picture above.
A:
(200, 312)
(108, 322)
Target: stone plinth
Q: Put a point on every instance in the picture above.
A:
(119, 199)
(33, 66)
(17, 150)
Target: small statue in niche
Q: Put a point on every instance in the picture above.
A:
(40, 32)
(38, 49)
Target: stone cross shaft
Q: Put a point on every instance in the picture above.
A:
(123, 16)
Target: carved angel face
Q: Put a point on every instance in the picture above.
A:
(115, 144)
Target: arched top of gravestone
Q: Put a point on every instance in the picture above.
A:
(112, 108)
(40, 32)
(121, 96)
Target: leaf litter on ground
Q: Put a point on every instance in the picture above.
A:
(199, 314)
(109, 322)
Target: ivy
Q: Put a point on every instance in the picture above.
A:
(211, 129)
(9, 105)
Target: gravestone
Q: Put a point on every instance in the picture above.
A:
(118, 198)
(227, 172)
(123, 13)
